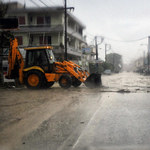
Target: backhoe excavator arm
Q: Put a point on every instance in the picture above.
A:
(15, 61)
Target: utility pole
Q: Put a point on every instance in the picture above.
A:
(148, 51)
(66, 30)
(96, 53)
(144, 59)
(114, 61)
(66, 27)
(107, 50)
(96, 47)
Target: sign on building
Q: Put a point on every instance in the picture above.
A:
(86, 51)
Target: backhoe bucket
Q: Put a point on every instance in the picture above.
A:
(94, 80)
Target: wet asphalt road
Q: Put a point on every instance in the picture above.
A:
(116, 116)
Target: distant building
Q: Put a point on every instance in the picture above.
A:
(45, 26)
(139, 63)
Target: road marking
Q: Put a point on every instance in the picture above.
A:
(86, 127)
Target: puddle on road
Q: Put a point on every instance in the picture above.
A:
(126, 89)
(126, 83)
(122, 83)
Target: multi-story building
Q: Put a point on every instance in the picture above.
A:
(45, 26)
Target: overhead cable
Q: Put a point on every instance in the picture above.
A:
(126, 41)
(34, 3)
(89, 34)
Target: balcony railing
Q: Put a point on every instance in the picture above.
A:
(74, 49)
(40, 28)
(70, 50)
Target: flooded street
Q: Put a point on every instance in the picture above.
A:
(127, 81)
(115, 116)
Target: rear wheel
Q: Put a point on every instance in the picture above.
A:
(34, 79)
(76, 82)
(65, 81)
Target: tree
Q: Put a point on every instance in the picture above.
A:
(116, 61)
(107, 65)
(3, 9)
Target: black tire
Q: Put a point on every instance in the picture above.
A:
(65, 81)
(34, 79)
(76, 82)
(48, 84)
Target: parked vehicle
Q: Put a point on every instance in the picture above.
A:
(107, 72)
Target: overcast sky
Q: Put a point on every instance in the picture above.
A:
(120, 22)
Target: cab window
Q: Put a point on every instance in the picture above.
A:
(30, 58)
(41, 58)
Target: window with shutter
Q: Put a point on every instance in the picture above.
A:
(20, 40)
(21, 20)
(47, 40)
(47, 20)
(40, 20)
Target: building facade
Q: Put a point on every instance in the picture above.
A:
(45, 26)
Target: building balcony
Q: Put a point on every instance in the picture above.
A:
(70, 50)
(40, 28)
(56, 48)
(75, 34)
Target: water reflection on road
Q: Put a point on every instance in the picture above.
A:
(126, 82)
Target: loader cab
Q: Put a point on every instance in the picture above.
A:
(40, 56)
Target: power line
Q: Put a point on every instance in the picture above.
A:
(52, 2)
(126, 41)
(43, 3)
(47, 6)
(34, 3)
(90, 37)
(59, 2)
(89, 34)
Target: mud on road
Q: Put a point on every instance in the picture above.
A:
(15, 103)
(23, 110)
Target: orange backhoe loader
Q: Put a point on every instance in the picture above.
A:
(40, 69)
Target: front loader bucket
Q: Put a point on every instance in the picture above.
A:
(94, 80)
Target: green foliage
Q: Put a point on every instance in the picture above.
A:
(116, 61)
(3, 9)
(5, 37)
(100, 68)
(107, 65)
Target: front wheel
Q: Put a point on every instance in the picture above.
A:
(76, 82)
(65, 81)
(34, 79)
